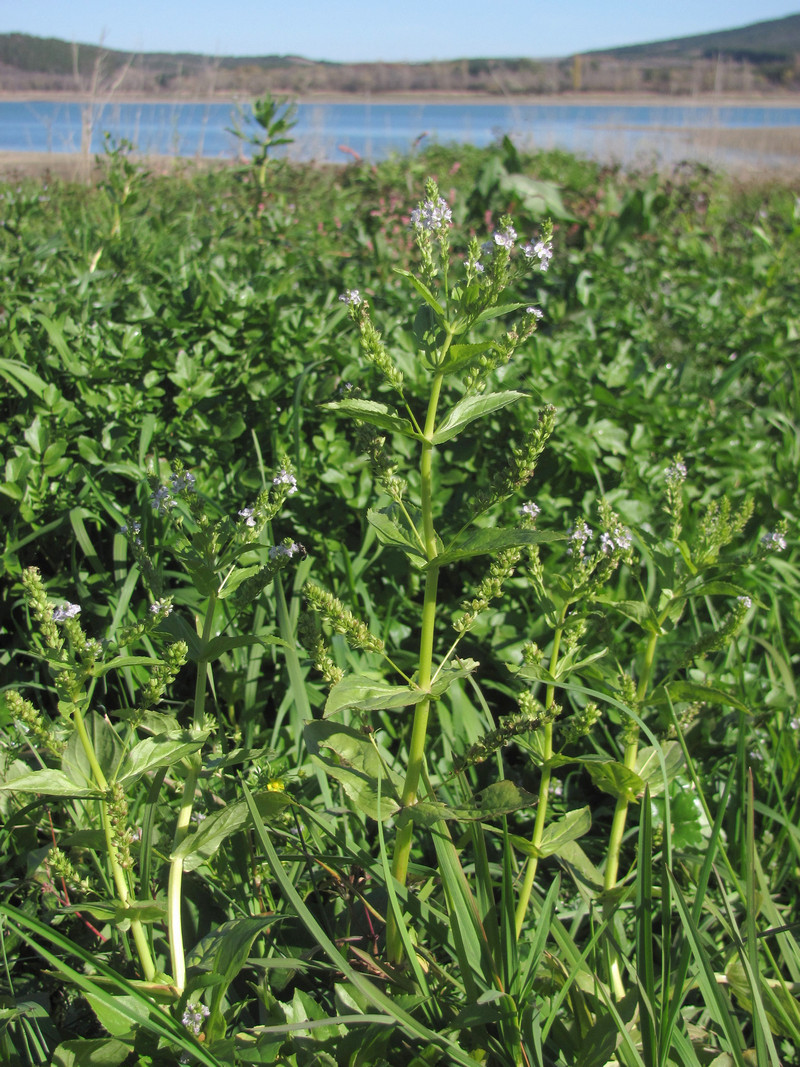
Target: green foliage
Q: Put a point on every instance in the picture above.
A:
(205, 769)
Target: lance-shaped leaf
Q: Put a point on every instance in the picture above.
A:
(495, 800)
(488, 542)
(391, 533)
(470, 408)
(447, 675)
(214, 649)
(459, 357)
(197, 848)
(352, 759)
(366, 694)
(424, 292)
(693, 693)
(161, 751)
(640, 613)
(557, 835)
(648, 765)
(615, 778)
(47, 783)
(496, 312)
(380, 415)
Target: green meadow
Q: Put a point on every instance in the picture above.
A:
(399, 610)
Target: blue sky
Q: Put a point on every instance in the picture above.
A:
(404, 30)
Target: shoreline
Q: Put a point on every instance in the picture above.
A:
(567, 99)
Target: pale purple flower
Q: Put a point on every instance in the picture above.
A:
(774, 541)
(431, 216)
(194, 1016)
(247, 515)
(66, 611)
(745, 601)
(161, 607)
(530, 510)
(278, 551)
(183, 481)
(351, 297)
(283, 477)
(578, 536)
(676, 473)
(162, 500)
(541, 250)
(536, 312)
(505, 238)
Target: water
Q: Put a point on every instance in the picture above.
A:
(333, 132)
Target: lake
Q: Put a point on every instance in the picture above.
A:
(333, 132)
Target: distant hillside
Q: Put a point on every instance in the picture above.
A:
(761, 58)
(776, 39)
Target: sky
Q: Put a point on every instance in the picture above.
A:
(372, 30)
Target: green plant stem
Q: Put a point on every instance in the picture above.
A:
(617, 831)
(118, 874)
(419, 729)
(544, 787)
(174, 894)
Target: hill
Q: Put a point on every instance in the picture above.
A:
(763, 57)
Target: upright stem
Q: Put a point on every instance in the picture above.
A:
(117, 872)
(174, 894)
(419, 729)
(544, 787)
(621, 809)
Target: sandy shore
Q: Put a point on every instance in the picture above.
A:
(568, 99)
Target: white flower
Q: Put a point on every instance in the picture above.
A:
(531, 510)
(247, 515)
(66, 611)
(536, 312)
(351, 297)
(161, 607)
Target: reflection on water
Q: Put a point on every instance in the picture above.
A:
(337, 132)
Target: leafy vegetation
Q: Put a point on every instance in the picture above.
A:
(399, 614)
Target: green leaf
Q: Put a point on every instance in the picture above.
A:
(470, 408)
(365, 694)
(224, 952)
(692, 692)
(355, 762)
(557, 835)
(424, 292)
(497, 799)
(91, 1052)
(496, 312)
(635, 610)
(376, 414)
(391, 533)
(197, 848)
(487, 542)
(614, 778)
(155, 752)
(461, 356)
(648, 765)
(47, 783)
(121, 1016)
(216, 648)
